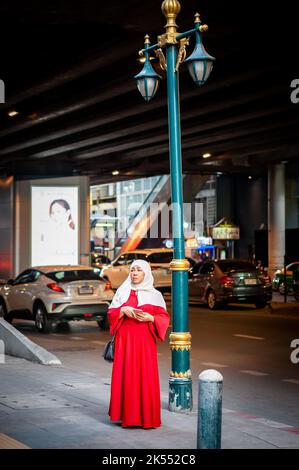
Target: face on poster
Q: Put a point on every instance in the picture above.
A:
(54, 225)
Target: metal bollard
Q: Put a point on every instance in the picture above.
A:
(2, 352)
(210, 384)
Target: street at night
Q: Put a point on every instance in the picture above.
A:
(149, 228)
(251, 348)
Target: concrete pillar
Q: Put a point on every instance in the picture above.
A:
(276, 217)
(6, 227)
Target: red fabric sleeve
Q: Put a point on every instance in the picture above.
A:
(161, 323)
(114, 320)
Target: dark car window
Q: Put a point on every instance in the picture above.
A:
(192, 262)
(230, 266)
(75, 275)
(143, 256)
(36, 275)
(196, 268)
(130, 258)
(100, 259)
(207, 268)
(161, 257)
(25, 277)
(121, 261)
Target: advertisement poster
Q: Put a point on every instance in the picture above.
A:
(54, 225)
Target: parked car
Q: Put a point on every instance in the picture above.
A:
(296, 285)
(99, 261)
(217, 283)
(56, 294)
(278, 282)
(159, 259)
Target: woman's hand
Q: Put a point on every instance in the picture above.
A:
(128, 311)
(144, 317)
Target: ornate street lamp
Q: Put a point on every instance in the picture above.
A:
(200, 65)
(147, 79)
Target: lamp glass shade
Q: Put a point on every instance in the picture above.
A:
(147, 81)
(200, 70)
(200, 63)
(148, 87)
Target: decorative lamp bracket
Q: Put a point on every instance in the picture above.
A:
(182, 53)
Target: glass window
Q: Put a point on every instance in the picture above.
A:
(196, 268)
(136, 199)
(207, 268)
(36, 275)
(25, 277)
(191, 261)
(161, 257)
(130, 258)
(141, 256)
(147, 184)
(138, 185)
(122, 260)
(229, 266)
(75, 275)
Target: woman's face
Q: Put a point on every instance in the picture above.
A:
(59, 214)
(137, 275)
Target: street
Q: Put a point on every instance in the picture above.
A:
(250, 347)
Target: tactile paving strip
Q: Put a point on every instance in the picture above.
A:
(19, 401)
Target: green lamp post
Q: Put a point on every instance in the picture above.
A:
(200, 65)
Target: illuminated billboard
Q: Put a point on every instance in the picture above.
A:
(54, 225)
(225, 233)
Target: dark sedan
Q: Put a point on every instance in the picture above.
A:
(217, 283)
(296, 285)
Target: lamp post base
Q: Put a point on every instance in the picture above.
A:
(180, 395)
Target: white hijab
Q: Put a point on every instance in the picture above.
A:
(146, 292)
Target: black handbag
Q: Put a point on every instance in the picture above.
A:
(108, 353)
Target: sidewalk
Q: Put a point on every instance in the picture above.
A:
(281, 307)
(46, 407)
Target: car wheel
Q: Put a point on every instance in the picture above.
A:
(261, 304)
(281, 287)
(3, 312)
(42, 323)
(211, 300)
(104, 323)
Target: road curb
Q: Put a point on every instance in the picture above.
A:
(16, 344)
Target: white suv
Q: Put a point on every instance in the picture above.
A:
(56, 294)
(159, 259)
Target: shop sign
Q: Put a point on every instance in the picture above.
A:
(226, 233)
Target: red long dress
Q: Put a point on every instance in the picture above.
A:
(135, 388)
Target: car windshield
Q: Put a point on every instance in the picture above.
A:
(229, 266)
(160, 257)
(75, 275)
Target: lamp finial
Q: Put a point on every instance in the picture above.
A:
(197, 18)
(171, 9)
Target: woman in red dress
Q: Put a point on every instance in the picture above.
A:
(139, 319)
